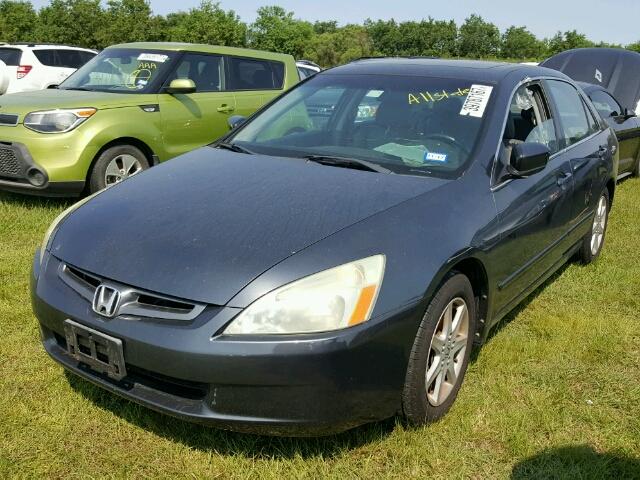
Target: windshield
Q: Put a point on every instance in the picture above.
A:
(409, 125)
(122, 71)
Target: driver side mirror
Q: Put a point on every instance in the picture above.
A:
(235, 121)
(528, 159)
(181, 85)
(627, 114)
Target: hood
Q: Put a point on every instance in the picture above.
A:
(51, 99)
(204, 225)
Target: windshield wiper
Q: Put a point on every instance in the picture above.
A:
(348, 163)
(81, 89)
(234, 147)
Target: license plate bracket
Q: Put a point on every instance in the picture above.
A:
(103, 353)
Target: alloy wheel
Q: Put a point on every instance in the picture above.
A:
(447, 352)
(599, 225)
(120, 168)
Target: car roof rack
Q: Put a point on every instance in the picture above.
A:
(41, 44)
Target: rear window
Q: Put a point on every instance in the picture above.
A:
(251, 74)
(10, 56)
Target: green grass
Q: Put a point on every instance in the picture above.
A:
(555, 393)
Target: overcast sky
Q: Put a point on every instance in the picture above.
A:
(615, 21)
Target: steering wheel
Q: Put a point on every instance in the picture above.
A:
(448, 139)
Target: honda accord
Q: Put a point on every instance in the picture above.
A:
(335, 258)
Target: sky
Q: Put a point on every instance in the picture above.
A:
(613, 21)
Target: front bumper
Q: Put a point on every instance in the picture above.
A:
(20, 173)
(297, 385)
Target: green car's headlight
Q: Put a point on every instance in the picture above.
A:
(57, 121)
(330, 300)
(50, 233)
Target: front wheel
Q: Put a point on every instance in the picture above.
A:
(116, 164)
(636, 170)
(440, 352)
(594, 240)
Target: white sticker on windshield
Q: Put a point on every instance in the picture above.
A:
(476, 101)
(152, 57)
(435, 157)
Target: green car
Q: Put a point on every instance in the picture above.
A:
(131, 107)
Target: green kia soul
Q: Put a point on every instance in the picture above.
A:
(132, 106)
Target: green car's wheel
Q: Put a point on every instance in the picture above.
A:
(115, 165)
(594, 240)
(636, 171)
(440, 352)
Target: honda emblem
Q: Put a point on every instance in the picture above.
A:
(106, 301)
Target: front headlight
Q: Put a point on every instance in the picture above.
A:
(57, 121)
(50, 233)
(330, 300)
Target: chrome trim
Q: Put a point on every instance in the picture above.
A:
(129, 300)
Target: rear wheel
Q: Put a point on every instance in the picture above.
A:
(440, 353)
(115, 165)
(594, 240)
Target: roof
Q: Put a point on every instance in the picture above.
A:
(199, 47)
(616, 69)
(43, 45)
(479, 70)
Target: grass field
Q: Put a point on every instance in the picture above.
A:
(555, 393)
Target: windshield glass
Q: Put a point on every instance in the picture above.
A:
(409, 125)
(122, 71)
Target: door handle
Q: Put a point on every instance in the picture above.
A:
(224, 108)
(563, 178)
(602, 150)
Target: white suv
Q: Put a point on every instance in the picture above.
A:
(36, 67)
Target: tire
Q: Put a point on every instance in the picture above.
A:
(116, 164)
(593, 241)
(421, 403)
(636, 171)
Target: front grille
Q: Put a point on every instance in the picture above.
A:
(9, 163)
(8, 119)
(135, 303)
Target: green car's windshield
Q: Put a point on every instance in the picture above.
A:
(409, 125)
(122, 71)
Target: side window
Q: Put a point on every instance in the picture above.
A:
(205, 71)
(606, 105)
(594, 126)
(46, 57)
(69, 59)
(529, 121)
(250, 74)
(574, 123)
(86, 56)
(10, 56)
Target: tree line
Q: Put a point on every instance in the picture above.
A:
(89, 24)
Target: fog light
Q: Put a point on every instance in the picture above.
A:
(36, 177)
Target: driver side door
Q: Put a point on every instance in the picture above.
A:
(533, 212)
(195, 119)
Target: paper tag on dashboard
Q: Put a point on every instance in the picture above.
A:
(476, 101)
(152, 57)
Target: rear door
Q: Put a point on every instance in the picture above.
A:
(627, 128)
(196, 119)
(254, 82)
(583, 143)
